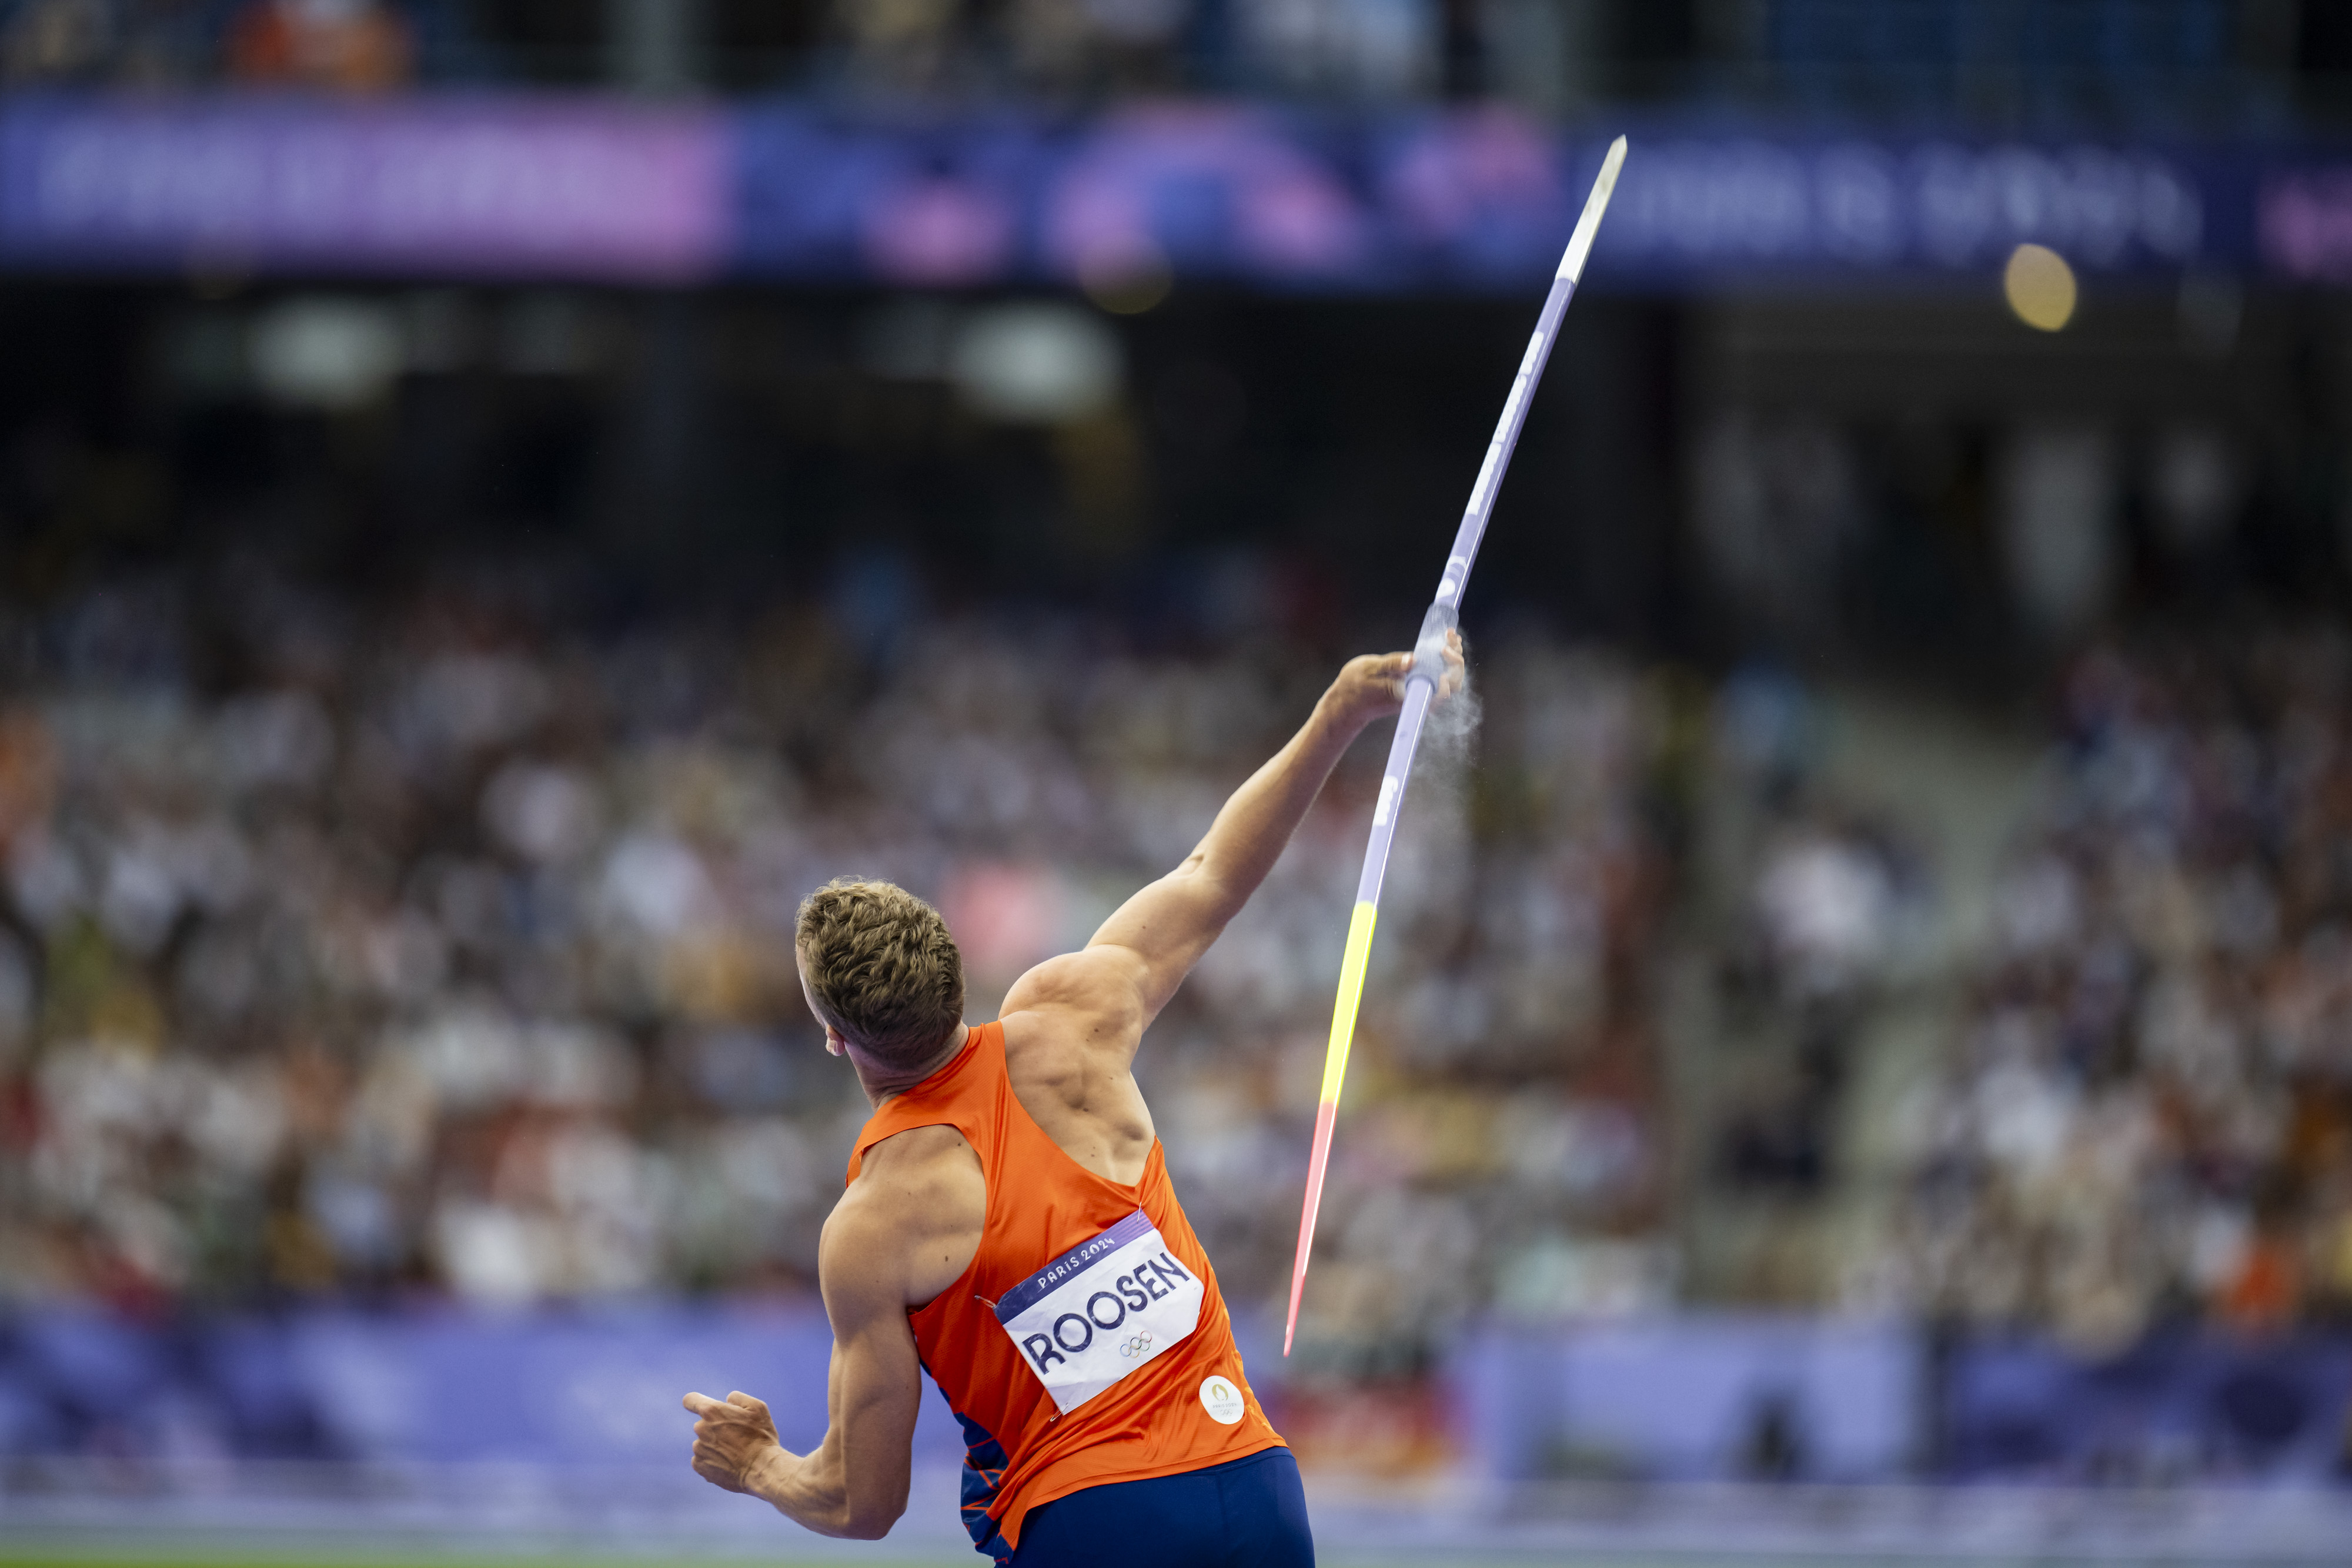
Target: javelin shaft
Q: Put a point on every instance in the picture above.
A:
(1421, 688)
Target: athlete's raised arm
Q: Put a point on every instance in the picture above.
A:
(1151, 942)
(903, 1231)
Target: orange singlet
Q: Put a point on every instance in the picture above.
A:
(1081, 1277)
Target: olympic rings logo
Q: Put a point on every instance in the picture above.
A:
(1135, 1346)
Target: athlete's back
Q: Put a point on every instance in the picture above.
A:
(1086, 1341)
(957, 1184)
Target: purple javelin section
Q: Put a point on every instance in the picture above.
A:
(455, 186)
(1068, 1266)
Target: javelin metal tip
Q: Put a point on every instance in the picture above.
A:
(1588, 222)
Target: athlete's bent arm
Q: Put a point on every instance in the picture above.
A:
(854, 1483)
(1156, 936)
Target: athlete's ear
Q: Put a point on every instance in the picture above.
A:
(833, 1044)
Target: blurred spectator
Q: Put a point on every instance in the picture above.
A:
(1365, 48)
(344, 46)
(1098, 43)
(903, 45)
(59, 40)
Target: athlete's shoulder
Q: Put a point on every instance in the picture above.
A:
(909, 1223)
(909, 1170)
(1095, 991)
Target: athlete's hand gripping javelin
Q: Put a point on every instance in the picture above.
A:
(1383, 677)
(910, 1225)
(1171, 923)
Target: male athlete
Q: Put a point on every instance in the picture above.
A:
(1009, 1226)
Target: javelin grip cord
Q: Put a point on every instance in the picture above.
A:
(1421, 683)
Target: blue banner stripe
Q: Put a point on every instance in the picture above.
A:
(1069, 1266)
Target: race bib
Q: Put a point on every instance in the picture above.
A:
(1101, 1309)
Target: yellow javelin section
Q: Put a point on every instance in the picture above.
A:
(1351, 991)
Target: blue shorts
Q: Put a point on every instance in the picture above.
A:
(1245, 1513)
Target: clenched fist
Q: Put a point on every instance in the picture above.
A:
(735, 1442)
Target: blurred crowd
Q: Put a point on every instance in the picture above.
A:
(366, 952)
(2149, 1117)
(1377, 49)
(337, 45)
(363, 952)
(1548, 55)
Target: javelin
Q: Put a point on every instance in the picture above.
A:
(1420, 685)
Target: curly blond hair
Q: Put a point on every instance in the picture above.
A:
(882, 968)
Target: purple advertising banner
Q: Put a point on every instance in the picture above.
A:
(574, 188)
(549, 188)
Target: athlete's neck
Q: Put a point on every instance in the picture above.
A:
(881, 1081)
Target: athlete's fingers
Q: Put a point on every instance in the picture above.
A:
(707, 1463)
(714, 1414)
(719, 1474)
(744, 1402)
(1457, 671)
(1373, 685)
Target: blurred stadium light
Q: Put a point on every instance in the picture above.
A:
(1037, 363)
